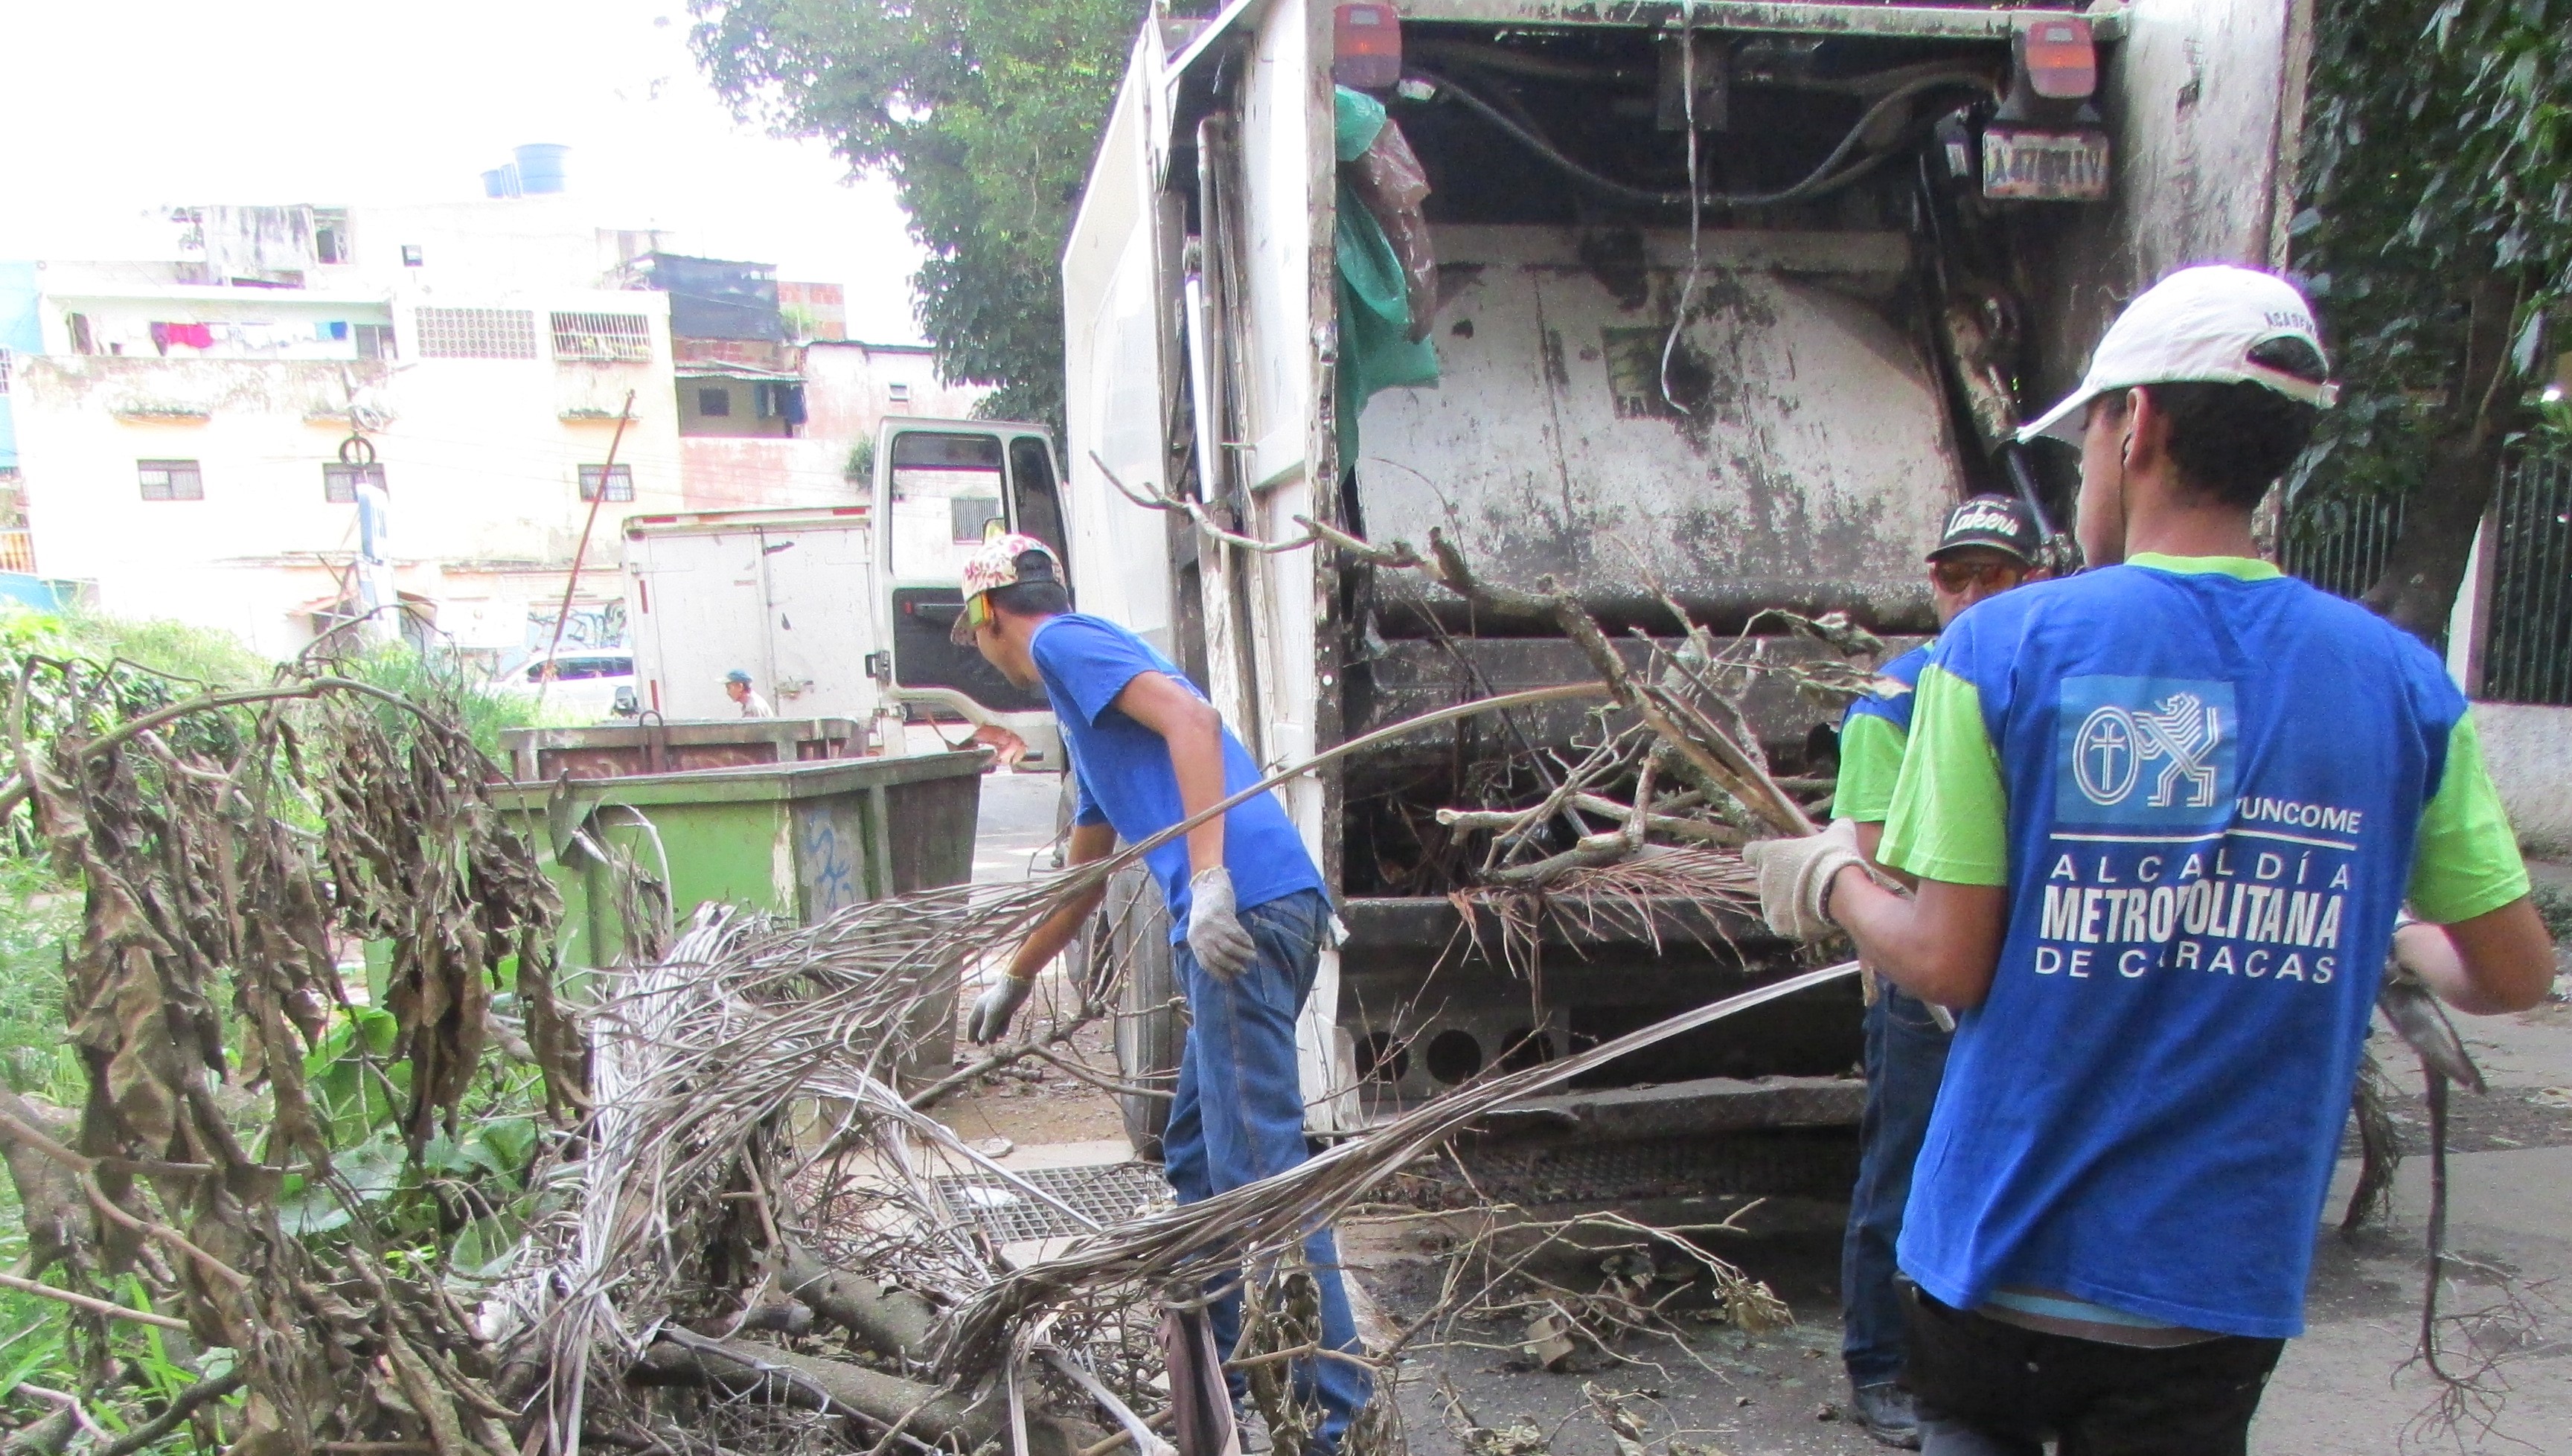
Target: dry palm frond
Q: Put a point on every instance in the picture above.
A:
(1262, 1220)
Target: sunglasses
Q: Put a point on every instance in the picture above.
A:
(1959, 576)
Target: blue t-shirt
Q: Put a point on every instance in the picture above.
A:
(2213, 781)
(1890, 697)
(1121, 770)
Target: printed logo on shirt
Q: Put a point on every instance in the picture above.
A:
(2144, 751)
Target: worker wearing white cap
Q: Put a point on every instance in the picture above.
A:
(1247, 912)
(2163, 815)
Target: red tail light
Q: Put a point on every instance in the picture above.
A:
(1366, 52)
(2056, 54)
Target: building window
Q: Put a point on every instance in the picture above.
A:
(478, 333)
(4, 372)
(603, 337)
(330, 235)
(375, 342)
(779, 400)
(620, 482)
(411, 255)
(339, 482)
(171, 480)
(898, 394)
(77, 325)
(713, 401)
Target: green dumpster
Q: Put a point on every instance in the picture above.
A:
(795, 840)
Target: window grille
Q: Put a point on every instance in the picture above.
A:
(620, 482)
(603, 337)
(478, 333)
(339, 482)
(4, 372)
(171, 480)
(2341, 544)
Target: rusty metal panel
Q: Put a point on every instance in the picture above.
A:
(1819, 445)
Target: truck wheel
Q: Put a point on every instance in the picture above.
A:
(1133, 931)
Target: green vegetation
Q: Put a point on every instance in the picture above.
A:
(442, 1199)
(2436, 231)
(985, 112)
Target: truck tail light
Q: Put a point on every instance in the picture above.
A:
(1366, 47)
(2056, 57)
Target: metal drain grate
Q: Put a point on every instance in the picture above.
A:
(1107, 1193)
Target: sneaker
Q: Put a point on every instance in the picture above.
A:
(1886, 1412)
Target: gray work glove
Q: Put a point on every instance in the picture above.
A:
(991, 1012)
(1215, 936)
(1795, 876)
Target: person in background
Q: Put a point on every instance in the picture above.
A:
(737, 687)
(1989, 546)
(1247, 912)
(2163, 815)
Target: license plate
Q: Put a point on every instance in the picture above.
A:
(2050, 167)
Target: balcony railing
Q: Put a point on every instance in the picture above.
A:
(17, 552)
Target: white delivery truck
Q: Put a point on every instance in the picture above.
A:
(842, 611)
(1731, 301)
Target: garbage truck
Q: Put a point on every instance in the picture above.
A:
(1717, 306)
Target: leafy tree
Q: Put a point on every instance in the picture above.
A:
(2436, 231)
(983, 112)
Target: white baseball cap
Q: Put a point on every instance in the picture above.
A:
(2198, 326)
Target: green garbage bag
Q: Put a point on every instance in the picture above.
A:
(1376, 350)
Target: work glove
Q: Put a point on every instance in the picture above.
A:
(1795, 877)
(1215, 936)
(992, 1011)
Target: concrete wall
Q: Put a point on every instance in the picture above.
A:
(2529, 751)
(849, 390)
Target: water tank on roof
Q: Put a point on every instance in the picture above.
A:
(501, 182)
(540, 167)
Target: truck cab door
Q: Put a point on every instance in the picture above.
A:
(942, 488)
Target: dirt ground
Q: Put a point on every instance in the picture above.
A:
(2346, 1388)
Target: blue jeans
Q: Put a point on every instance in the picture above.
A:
(1238, 1117)
(1906, 1056)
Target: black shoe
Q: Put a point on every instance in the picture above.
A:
(1886, 1411)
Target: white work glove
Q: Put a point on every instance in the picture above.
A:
(1215, 936)
(991, 1012)
(1795, 876)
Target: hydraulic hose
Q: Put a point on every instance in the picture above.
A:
(1821, 181)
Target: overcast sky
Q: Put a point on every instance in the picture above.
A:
(115, 106)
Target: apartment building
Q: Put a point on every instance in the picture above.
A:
(299, 414)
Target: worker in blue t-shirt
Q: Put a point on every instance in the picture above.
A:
(2163, 815)
(1989, 546)
(1247, 912)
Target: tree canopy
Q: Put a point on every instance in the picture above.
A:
(985, 112)
(2435, 234)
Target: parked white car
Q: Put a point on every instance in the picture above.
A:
(590, 685)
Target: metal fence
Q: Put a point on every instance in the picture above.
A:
(2527, 648)
(2341, 544)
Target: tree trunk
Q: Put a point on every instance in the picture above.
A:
(2417, 590)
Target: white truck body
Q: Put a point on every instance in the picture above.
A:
(1825, 436)
(787, 596)
(842, 611)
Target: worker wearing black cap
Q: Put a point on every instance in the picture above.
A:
(1989, 546)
